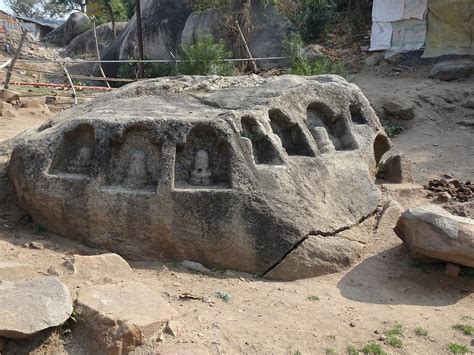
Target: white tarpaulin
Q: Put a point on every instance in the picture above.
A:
(398, 25)
(381, 36)
(387, 10)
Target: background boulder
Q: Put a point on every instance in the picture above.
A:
(76, 24)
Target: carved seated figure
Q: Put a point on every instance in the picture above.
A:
(81, 163)
(136, 177)
(201, 175)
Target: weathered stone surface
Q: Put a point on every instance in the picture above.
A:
(97, 267)
(76, 24)
(10, 271)
(30, 306)
(453, 70)
(85, 42)
(397, 168)
(115, 318)
(193, 266)
(9, 96)
(228, 172)
(389, 216)
(400, 110)
(432, 232)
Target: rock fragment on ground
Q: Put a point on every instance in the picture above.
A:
(398, 169)
(462, 191)
(452, 70)
(193, 266)
(116, 318)
(430, 232)
(400, 110)
(10, 271)
(30, 306)
(97, 268)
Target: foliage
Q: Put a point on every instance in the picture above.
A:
(421, 332)
(223, 296)
(300, 65)
(373, 349)
(397, 329)
(393, 129)
(330, 351)
(464, 328)
(312, 298)
(312, 17)
(70, 5)
(206, 57)
(151, 70)
(394, 341)
(352, 350)
(37, 8)
(457, 348)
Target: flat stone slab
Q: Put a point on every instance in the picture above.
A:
(10, 271)
(115, 318)
(432, 233)
(29, 306)
(96, 268)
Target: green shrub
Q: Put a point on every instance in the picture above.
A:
(151, 70)
(313, 17)
(206, 57)
(464, 328)
(300, 65)
(373, 349)
(457, 348)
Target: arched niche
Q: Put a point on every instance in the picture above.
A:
(291, 135)
(264, 151)
(203, 161)
(357, 115)
(134, 161)
(381, 146)
(75, 153)
(330, 131)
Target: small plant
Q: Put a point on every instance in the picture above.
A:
(464, 328)
(393, 129)
(421, 332)
(312, 298)
(458, 348)
(206, 57)
(394, 341)
(352, 350)
(373, 349)
(301, 65)
(297, 352)
(223, 296)
(397, 329)
(330, 351)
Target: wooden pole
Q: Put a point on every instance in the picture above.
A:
(8, 77)
(138, 13)
(249, 54)
(74, 96)
(98, 52)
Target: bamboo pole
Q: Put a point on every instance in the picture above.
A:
(98, 52)
(74, 95)
(249, 54)
(8, 77)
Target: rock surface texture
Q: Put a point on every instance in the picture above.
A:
(231, 172)
(454, 70)
(76, 24)
(28, 307)
(433, 234)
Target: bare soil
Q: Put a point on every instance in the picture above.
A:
(322, 315)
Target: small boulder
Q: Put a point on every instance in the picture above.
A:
(430, 232)
(116, 318)
(314, 52)
(29, 306)
(193, 266)
(400, 110)
(453, 70)
(397, 169)
(374, 59)
(10, 96)
(97, 268)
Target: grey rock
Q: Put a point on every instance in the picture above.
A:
(230, 172)
(29, 306)
(430, 232)
(314, 52)
(99, 268)
(453, 70)
(11, 271)
(397, 168)
(115, 318)
(85, 42)
(76, 24)
(193, 266)
(374, 59)
(396, 109)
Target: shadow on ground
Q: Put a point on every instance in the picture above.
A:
(393, 278)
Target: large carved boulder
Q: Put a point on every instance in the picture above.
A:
(235, 172)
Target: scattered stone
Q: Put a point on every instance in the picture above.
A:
(443, 197)
(314, 52)
(452, 269)
(36, 245)
(374, 59)
(29, 306)
(389, 216)
(461, 191)
(352, 324)
(53, 271)
(193, 266)
(397, 169)
(172, 328)
(434, 233)
(115, 318)
(453, 70)
(395, 109)
(11, 271)
(10, 96)
(382, 338)
(99, 268)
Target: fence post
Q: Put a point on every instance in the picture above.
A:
(252, 61)
(15, 57)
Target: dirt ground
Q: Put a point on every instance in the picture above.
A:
(322, 315)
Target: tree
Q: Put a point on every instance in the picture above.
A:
(71, 5)
(37, 8)
(108, 10)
